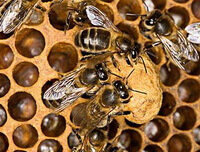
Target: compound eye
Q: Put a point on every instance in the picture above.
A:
(96, 137)
(89, 77)
(149, 22)
(110, 97)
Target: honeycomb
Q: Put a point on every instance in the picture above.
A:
(31, 58)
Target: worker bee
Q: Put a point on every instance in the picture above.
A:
(105, 104)
(95, 141)
(178, 49)
(84, 80)
(14, 12)
(106, 38)
(194, 32)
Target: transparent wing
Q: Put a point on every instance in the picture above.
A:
(194, 39)
(14, 16)
(193, 29)
(98, 18)
(173, 51)
(59, 89)
(69, 99)
(187, 48)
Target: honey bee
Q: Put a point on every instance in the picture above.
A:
(194, 32)
(95, 141)
(14, 12)
(179, 50)
(105, 104)
(76, 12)
(84, 80)
(106, 38)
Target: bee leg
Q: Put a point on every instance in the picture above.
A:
(152, 45)
(122, 113)
(67, 22)
(87, 57)
(128, 61)
(114, 61)
(168, 64)
(40, 8)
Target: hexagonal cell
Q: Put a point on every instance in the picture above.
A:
(4, 85)
(6, 56)
(179, 143)
(195, 8)
(188, 90)
(157, 129)
(25, 74)
(29, 42)
(130, 140)
(22, 106)
(53, 125)
(168, 104)
(3, 116)
(3, 142)
(73, 140)
(46, 86)
(50, 145)
(128, 29)
(36, 17)
(154, 4)
(180, 16)
(107, 10)
(152, 148)
(25, 136)
(196, 134)
(128, 6)
(154, 55)
(58, 14)
(169, 76)
(63, 57)
(181, 1)
(184, 118)
(112, 129)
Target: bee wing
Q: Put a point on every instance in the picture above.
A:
(59, 88)
(14, 16)
(193, 29)
(173, 51)
(98, 18)
(194, 39)
(69, 99)
(187, 48)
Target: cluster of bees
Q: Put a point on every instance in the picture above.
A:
(90, 79)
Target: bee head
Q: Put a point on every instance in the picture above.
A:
(135, 50)
(150, 20)
(121, 89)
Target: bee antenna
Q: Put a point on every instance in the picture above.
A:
(137, 91)
(145, 68)
(115, 74)
(129, 74)
(135, 15)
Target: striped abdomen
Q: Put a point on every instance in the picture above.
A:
(93, 39)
